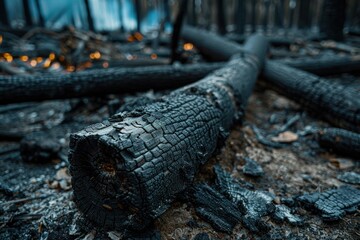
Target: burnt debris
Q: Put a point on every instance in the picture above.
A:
(252, 168)
(349, 177)
(333, 204)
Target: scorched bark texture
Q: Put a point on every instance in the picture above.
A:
(128, 170)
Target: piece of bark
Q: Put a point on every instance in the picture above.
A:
(333, 204)
(341, 140)
(214, 208)
(336, 104)
(128, 170)
(99, 82)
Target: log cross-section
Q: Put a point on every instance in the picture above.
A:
(128, 170)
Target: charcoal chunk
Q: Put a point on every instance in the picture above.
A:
(283, 213)
(253, 204)
(252, 168)
(214, 208)
(349, 177)
(333, 204)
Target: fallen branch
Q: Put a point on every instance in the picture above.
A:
(98, 82)
(128, 170)
(341, 141)
(332, 100)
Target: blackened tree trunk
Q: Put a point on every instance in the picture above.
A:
(138, 15)
(40, 13)
(27, 13)
(331, 100)
(177, 30)
(89, 16)
(333, 19)
(221, 19)
(304, 14)
(128, 170)
(3, 14)
(240, 16)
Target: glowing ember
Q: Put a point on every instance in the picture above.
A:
(95, 55)
(52, 56)
(70, 68)
(153, 56)
(33, 63)
(105, 65)
(39, 59)
(24, 58)
(8, 57)
(47, 63)
(138, 36)
(1, 39)
(56, 65)
(188, 46)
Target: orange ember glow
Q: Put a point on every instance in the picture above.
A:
(39, 59)
(8, 57)
(95, 55)
(105, 65)
(188, 46)
(153, 56)
(24, 58)
(70, 68)
(47, 63)
(1, 39)
(56, 65)
(33, 63)
(52, 56)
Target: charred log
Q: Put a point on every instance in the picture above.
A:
(337, 105)
(340, 140)
(99, 82)
(128, 170)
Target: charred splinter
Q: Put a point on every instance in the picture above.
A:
(128, 170)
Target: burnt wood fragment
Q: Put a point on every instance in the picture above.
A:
(336, 104)
(340, 140)
(333, 204)
(284, 213)
(253, 204)
(214, 208)
(128, 170)
(252, 168)
(349, 177)
(99, 82)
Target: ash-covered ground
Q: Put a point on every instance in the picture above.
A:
(36, 197)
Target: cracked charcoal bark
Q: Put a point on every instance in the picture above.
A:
(337, 105)
(100, 81)
(214, 208)
(349, 177)
(253, 204)
(252, 168)
(333, 204)
(340, 140)
(128, 170)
